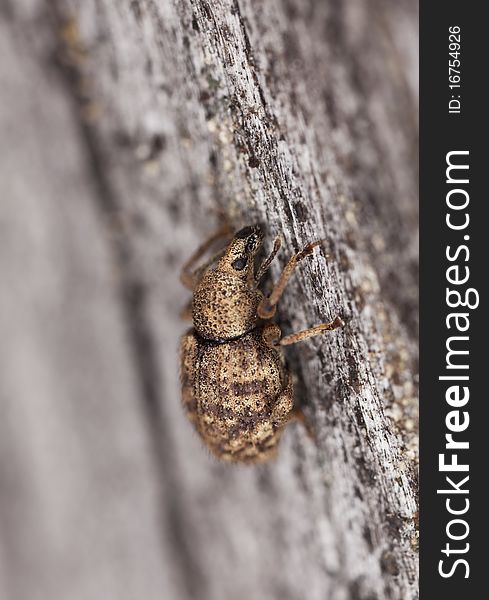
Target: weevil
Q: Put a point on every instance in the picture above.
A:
(236, 388)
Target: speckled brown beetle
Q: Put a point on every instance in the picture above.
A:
(236, 388)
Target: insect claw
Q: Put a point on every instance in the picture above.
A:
(338, 322)
(308, 248)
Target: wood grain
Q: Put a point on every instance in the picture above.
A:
(126, 129)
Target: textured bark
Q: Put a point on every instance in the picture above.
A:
(126, 129)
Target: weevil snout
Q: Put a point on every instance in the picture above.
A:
(252, 237)
(249, 231)
(242, 249)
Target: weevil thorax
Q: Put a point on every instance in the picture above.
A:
(226, 299)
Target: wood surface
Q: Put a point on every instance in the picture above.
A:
(127, 129)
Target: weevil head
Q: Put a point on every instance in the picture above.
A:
(239, 256)
(226, 298)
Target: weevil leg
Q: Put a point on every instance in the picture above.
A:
(285, 411)
(267, 307)
(293, 338)
(186, 312)
(298, 415)
(190, 276)
(271, 335)
(284, 406)
(195, 276)
(277, 242)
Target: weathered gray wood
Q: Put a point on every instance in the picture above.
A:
(126, 128)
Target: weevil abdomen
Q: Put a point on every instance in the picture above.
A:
(237, 394)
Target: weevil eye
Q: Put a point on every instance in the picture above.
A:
(239, 264)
